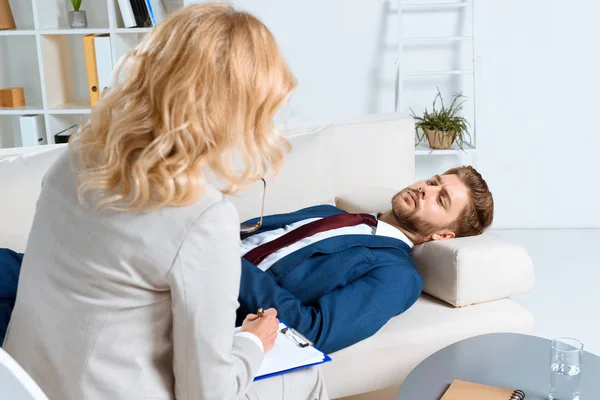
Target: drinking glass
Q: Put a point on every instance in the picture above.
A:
(565, 369)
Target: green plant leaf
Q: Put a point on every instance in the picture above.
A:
(76, 4)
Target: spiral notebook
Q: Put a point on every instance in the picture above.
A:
(461, 390)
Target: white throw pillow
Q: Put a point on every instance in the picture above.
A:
(473, 270)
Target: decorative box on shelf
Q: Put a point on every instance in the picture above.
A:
(12, 97)
(7, 21)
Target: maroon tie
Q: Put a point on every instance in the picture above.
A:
(258, 254)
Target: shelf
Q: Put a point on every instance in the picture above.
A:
(17, 32)
(131, 30)
(45, 57)
(418, 5)
(32, 109)
(423, 149)
(53, 16)
(412, 41)
(79, 107)
(433, 73)
(19, 68)
(73, 31)
(66, 109)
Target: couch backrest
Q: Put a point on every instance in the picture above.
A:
(20, 183)
(338, 160)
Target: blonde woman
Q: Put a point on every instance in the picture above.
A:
(129, 286)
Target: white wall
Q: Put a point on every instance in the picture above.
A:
(540, 85)
(335, 49)
(536, 92)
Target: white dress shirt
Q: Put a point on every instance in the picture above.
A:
(383, 229)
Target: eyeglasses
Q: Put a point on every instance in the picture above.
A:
(296, 337)
(251, 228)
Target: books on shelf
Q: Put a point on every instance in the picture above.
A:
(98, 64)
(127, 14)
(104, 62)
(89, 51)
(63, 136)
(156, 11)
(32, 132)
(141, 13)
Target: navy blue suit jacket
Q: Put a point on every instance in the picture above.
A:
(337, 291)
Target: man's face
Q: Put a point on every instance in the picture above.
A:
(427, 208)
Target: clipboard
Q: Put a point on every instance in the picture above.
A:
(291, 352)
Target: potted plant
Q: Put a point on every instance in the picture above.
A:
(77, 18)
(443, 126)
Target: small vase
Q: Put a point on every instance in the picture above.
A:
(440, 140)
(77, 19)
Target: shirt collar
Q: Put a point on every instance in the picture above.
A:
(385, 229)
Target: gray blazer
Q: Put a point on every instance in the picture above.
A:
(137, 305)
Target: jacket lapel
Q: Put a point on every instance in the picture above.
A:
(334, 245)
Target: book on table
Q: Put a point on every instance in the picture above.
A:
(462, 390)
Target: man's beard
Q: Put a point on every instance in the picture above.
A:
(406, 216)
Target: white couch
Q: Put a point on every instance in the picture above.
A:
(357, 165)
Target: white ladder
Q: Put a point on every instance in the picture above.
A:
(408, 6)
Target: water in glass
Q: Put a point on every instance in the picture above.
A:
(564, 381)
(565, 369)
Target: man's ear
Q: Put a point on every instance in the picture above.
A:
(443, 235)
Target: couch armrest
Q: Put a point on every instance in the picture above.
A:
(473, 270)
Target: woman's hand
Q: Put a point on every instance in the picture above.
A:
(265, 327)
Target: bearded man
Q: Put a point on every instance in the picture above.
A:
(337, 278)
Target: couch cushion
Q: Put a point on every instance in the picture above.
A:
(473, 270)
(20, 184)
(367, 199)
(305, 179)
(386, 358)
(375, 150)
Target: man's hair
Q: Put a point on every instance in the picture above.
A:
(479, 213)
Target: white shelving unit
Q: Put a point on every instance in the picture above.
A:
(425, 6)
(45, 57)
(424, 150)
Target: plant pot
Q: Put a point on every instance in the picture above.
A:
(77, 19)
(440, 139)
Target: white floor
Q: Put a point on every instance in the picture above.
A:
(566, 298)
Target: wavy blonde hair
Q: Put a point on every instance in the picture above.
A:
(202, 86)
